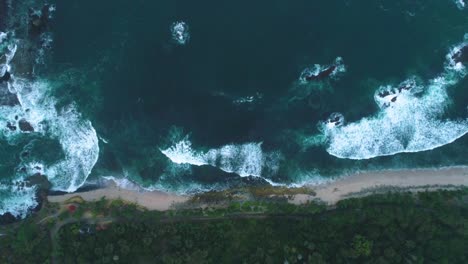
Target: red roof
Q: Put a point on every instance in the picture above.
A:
(72, 208)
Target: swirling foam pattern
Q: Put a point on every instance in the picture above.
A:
(244, 160)
(77, 137)
(40, 110)
(17, 200)
(406, 122)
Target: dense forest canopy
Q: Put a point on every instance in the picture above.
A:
(429, 227)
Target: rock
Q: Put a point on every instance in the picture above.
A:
(461, 56)
(11, 127)
(7, 218)
(323, 74)
(25, 126)
(43, 185)
(39, 180)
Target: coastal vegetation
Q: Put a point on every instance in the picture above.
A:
(398, 227)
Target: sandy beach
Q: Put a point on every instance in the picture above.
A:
(347, 186)
(366, 182)
(154, 200)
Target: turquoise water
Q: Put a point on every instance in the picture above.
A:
(221, 102)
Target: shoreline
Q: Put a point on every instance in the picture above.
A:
(151, 200)
(353, 185)
(368, 182)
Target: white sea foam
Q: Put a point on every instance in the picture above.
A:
(180, 32)
(306, 179)
(454, 66)
(182, 153)
(187, 188)
(17, 200)
(77, 136)
(251, 99)
(7, 51)
(240, 101)
(243, 159)
(52, 9)
(40, 110)
(410, 120)
(105, 141)
(123, 183)
(461, 4)
(46, 41)
(335, 120)
(316, 69)
(81, 148)
(3, 36)
(387, 96)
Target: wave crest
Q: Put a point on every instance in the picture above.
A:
(244, 160)
(410, 119)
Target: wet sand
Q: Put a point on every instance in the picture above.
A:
(359, 184)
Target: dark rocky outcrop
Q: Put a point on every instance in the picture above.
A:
(461, 56)
(11, 127)
(321, 75)
(39, 180)
(7, 218)
(25, 126)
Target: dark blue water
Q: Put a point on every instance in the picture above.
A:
(229, 102)
(239, 49)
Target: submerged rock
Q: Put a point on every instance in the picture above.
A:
(6, 77)
(39, 20)
(11, 126)
(6, 97)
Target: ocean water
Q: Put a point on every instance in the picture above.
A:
(187, 96)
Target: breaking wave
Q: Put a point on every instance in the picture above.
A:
(180, 32)
(81, 148)
(319, 72)
(410, 118)
(29, 111)
(16, 199)
(77, 136)
(245, 159)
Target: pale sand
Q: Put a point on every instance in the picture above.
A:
(154, 200)
(330, 193)
(365, 182)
